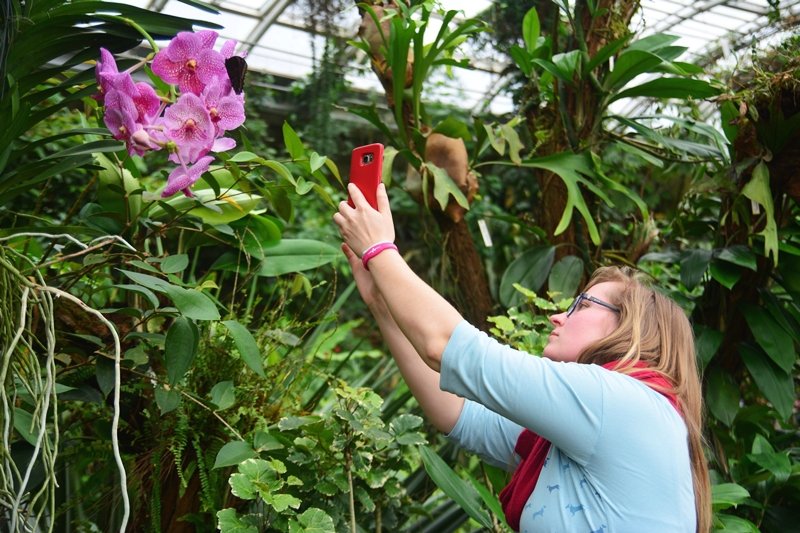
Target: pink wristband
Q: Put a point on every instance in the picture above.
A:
(374, 250)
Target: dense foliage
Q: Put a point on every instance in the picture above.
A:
(188, 363)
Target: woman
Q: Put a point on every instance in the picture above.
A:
(610, 444)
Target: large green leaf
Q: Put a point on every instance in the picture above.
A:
(229, 522)
(738, 254)
(297, 255)
(758, 190)
(247, 346)
(725, 495)
(773, 339)
(570, 168)
(530, 29)
(455, 487)
(694, 264)
(313, 520)
(565, 276)
(687, 150)
(257, 233)
(670, 88)
(444, 187)
(707, 342)
(233, 453)
(722, 396)
(628, 65)
(530, 270)
(180, 348)
(192, 303)
(776, 385)
(229, 206)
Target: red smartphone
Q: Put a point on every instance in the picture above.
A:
(366, 169)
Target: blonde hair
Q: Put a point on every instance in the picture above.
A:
(653, 329)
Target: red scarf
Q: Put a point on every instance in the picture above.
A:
(533, 450)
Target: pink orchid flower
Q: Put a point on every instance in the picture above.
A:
(190, 61)
(105, 72)
(189, 126)
(225, 108)
(120, 118)
(183, 177)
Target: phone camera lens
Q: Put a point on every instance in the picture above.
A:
(366, 159)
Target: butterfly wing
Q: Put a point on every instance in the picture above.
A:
(237, 69)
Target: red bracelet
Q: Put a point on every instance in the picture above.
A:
(374, 250)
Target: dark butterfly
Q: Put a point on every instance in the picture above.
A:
(237, 68)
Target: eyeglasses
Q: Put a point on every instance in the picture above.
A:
(583, 296)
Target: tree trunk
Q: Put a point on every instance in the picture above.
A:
(467, 270)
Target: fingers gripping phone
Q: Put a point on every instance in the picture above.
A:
(366, 168)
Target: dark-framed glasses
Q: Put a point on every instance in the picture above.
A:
(583, 296)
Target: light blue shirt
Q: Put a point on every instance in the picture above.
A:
(619, 460)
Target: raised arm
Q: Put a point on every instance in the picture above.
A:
(425, 318)
(441, 408)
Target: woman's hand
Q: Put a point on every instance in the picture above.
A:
(363, 226)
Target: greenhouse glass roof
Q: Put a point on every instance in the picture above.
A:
(278, 41)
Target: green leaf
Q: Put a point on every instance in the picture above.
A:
(628, 65)
(281, 502)
(389, 153)
(192, 303)
(511, 137)
(565, 276)
(778, 464)
(725, 273)
(521, 58)
(530, 29)
(726, 495)
(739, 254)
(453, 486)
(722, 396)
(229, 206)
(23, 423)
(735, 524)
(694, 264)
(180, 348)
(758, 190)
(772, 338)
(247, 346)
(530, 269)
(669, 88)
(707, 342)
(293, 143)
(316, 161)
(233, 453)
(297, 255)
(167, 399)
(487, 496)
(444, 187)
(604, 54)
(453, 128)
(173, 264)
(316, 520)
(569, 167)
(223, 394)
(105, 374)
(776, 385)
(281, 170)
(256, 233)
(228, 522)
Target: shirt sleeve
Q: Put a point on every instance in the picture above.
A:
(487, 434)
(562, 402)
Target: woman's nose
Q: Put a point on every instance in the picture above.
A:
(558, 319)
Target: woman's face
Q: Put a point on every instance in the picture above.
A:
(589, 322)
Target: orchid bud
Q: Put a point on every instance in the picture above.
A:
(141, 140)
